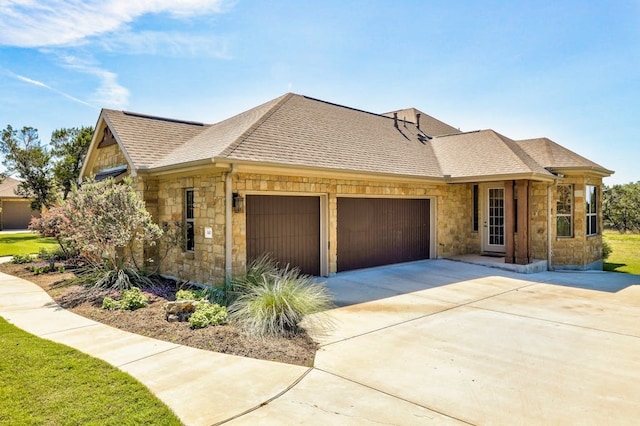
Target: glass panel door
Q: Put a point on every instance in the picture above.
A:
(494, 223)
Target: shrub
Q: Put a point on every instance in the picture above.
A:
(109, 276)
(273, 302)
(207, 314)
(110, 304)
(130, 300)
(191, 294)
(606, 250)
(20, 259)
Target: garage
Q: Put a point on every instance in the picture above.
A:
(382, 231)
(287, 227)
(17, 214)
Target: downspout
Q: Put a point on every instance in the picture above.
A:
(549, 224)
(228, 231)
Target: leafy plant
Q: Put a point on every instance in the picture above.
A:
(273, 302)
(130, 300)
(110, 304)
(606, 249)
(207, 314)
(108, 276)
(20, 259)
(198, 294)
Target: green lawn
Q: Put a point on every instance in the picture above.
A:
(625, 256)
(24, 243)
(45, 383)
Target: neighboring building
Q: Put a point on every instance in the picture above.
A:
(329, 188)
(16, 211)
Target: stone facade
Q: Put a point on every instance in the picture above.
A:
(581, 251)
(106, 158)
(452, 206)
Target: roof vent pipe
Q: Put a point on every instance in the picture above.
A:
(395, 120)
(418, 120)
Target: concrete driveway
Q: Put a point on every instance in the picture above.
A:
(445, 342)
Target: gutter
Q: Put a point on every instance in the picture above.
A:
(549, 222)
(228, 230)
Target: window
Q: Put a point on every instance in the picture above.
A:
(476, 208)
(564, 211)
(189, 222)
(591, 198)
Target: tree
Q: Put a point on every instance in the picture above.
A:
(621, 207)
(70, 147)
(24, 155)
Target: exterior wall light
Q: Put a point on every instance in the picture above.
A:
(238, 203)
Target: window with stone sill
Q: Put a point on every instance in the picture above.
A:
(564, 211)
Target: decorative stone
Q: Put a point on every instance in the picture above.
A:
(180, 310)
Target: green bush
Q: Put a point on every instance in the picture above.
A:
(606, 250)
(130, 300)
(272, 302)
(199, 294)
(207, 314)
(110, 304)
(20, 259)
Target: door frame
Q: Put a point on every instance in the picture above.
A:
(485, 246)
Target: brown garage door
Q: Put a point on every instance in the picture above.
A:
(381, 231)
(17, 214)
(287, 227)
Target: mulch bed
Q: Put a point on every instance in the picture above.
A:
(150, 321)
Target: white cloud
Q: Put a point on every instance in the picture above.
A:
(47, 87)
(31, 23)
(164, 43)
(109, 92)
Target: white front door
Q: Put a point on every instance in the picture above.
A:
(493, 221)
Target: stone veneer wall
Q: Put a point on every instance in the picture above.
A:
(454, 235)
(108, 157)
(538, 212)
(206, 263)
(165, 201)
(580, 251)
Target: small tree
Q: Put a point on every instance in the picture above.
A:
(70, 147)
(106, 219)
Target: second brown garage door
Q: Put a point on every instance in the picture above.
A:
(381, 231)
(286, 227)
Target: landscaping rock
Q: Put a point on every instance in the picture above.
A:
(180, 310)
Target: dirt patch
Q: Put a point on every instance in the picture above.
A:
(150, 321)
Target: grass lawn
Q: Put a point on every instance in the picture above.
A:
(45, 383)
(24, 243)
(625, 256)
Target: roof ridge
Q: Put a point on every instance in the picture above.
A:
(520, 153)
(159, 118)
(251, 129)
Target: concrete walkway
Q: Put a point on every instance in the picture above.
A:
(434, 342)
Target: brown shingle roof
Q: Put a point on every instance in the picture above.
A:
(481, 154)
(295, 130)
(309, 132)
(8, 188)
(428, 124)
(148, 139)
(553, 156)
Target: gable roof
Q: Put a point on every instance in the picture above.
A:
(298, 131)
(148, 139)
(554, 156)
(483, 154)
(8, 188)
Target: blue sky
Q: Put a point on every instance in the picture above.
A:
(568, 70)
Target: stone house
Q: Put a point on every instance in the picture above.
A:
(329, 188)
(15, 211)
